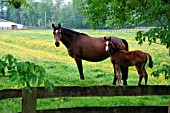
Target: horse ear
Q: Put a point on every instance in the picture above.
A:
(105, 38)
(109, 38)
(53, 26)
(59, 25)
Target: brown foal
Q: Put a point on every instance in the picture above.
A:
(121, 57)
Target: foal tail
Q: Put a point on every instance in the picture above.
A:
(150, 60)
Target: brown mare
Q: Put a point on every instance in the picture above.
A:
(121, 57)
(83, 47)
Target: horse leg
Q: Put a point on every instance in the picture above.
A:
(124, 71)
(140, 75)
(117, 69)
(80, 68)
(114, 80)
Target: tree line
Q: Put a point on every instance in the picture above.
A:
(44, 12)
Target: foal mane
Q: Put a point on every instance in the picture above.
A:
(116, 46)
(74, 32)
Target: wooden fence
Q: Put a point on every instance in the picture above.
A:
(29, 99)
(97, 30)
(23, 28)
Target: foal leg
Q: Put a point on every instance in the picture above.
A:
(140, 75)
(80, 68)
(117, 71)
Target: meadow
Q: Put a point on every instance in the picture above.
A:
(38, 46)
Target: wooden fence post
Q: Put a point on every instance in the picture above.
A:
(29, 100)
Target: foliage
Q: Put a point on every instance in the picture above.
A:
(164, 70)
(125, 12)
(17, 3)
(26, 74)
(154, 34)
(131, 13)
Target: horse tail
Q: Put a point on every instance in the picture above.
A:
(126, 44)
(150, 60)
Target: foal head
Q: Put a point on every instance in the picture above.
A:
(57, 34)
(109, 45)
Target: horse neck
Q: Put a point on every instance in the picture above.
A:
(68, 38)
(113, 51)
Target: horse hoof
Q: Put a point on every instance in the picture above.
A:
(114, 83)
(120, 85)
(82, 78)
(139, 84)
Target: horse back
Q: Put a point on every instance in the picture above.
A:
(139, 57)
(130, 58)
(92, 48)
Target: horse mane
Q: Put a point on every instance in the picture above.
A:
(74, 32)
(116, 46)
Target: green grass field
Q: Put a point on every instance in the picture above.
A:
(38, 46)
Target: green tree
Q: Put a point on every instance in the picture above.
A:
(70, 17)
(125, 12)
(134, 13)
(17, 3)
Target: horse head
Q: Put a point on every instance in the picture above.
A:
(107, 44)
(110, 45)
(57, 34)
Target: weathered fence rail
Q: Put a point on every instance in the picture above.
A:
(29, 99)
(118, 109)
(10, 93)
(84, 91)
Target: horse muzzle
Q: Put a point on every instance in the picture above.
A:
(107, 52)
(57, 44)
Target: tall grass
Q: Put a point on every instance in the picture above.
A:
(38, 46)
